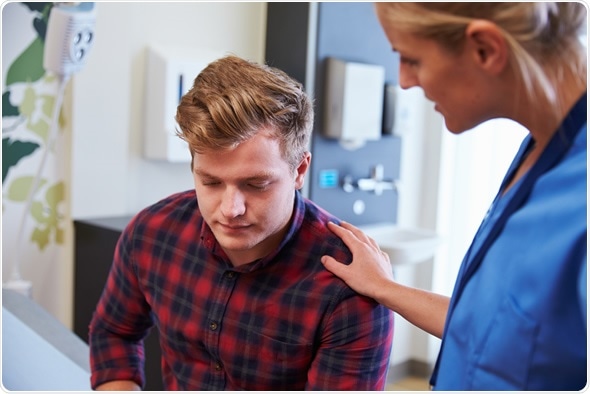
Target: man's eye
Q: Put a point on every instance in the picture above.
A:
(259, 186)
(210, 183)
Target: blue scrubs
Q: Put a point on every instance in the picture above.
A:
(517, 317)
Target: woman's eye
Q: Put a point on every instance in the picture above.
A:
(408, 62)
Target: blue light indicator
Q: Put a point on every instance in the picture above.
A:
(328, 179)
(180, 87)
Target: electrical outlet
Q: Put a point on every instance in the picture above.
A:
(69, 38)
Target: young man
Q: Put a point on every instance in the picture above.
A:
(232, 277)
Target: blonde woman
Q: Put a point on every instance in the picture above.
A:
(517, 316)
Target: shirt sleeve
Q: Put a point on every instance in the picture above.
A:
(120, 322)
(355, 346)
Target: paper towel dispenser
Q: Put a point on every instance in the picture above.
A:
(353, 111)
(170, 72)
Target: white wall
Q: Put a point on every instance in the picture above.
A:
(109, 175)
(421, 132)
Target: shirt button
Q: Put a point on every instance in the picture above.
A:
(230, 275)
(218, 366)
(213, 326)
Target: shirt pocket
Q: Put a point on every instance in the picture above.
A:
(275, 364)
(506, 355)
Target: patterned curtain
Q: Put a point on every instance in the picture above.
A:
(29, 97)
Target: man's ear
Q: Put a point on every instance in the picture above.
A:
(488, 45)
(301, 170)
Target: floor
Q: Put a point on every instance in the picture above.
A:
(409, 384)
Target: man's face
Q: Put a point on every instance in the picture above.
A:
(246, 195)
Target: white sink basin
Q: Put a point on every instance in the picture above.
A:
(403, 245)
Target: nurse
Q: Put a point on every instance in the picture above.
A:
(517, 316)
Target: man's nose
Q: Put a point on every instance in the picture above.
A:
(233, 203)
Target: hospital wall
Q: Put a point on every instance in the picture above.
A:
(107, 173)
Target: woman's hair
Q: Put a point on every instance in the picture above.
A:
(543, 37)
(232, 99)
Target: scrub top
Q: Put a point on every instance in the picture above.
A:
(517, 317)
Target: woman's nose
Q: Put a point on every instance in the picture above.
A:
(233, 203)
(407, 78)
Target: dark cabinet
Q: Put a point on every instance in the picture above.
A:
(95, 242)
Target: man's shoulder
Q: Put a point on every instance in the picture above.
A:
(315, 224)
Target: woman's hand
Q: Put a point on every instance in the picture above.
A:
(371, 274)
(370, 268)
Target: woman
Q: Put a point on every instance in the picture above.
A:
(517, 316)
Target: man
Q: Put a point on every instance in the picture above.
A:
(232, 279)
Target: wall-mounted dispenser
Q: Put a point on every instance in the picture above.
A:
(353, 110)
(69, 37)
(169, 75)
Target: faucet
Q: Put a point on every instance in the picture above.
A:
(375, 183)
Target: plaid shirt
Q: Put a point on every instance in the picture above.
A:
(282, 322)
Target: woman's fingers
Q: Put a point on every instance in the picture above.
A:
(369, 266)
(335, 266)
(353, 232)
(345, 234)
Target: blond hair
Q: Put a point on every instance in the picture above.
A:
(232, 99)
(543, 37)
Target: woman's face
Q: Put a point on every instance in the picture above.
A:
(452, 80)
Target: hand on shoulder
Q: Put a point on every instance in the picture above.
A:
(370, 268)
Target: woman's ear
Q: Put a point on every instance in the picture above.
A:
(488, 45)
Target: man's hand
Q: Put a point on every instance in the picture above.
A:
(119, 385)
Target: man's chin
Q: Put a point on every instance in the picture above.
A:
(237, 243)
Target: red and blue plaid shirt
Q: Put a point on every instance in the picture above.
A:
(279, 323)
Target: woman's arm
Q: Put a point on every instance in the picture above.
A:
(370, 274)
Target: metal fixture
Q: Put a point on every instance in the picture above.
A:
(375, 183)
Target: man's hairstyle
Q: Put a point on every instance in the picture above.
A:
(233, 99)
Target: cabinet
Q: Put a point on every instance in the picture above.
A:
(95, 242)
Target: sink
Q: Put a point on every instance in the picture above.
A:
(403, 245)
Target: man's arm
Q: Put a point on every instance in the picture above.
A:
(355, 346)
(119, 324)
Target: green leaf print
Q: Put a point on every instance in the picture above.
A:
(13, 152)
(47, 216)
(7, 108)
(40, 236)
(28, 67)
(19, 189)
(34, 114)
